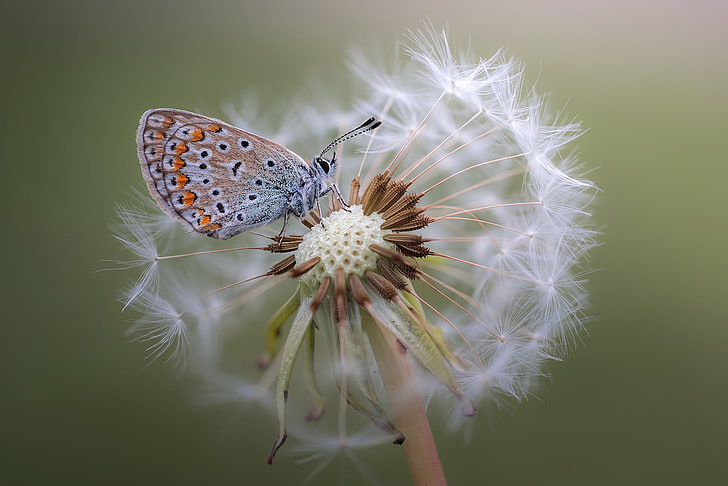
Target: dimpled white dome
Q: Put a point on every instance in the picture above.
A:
(342, 241)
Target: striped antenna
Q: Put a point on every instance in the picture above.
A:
(370, 124)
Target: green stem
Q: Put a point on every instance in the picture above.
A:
(408, 407)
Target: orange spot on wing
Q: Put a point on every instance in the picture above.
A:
(177, 163)
(167, 122)
(212, 227)
(204, 220)
(180, 148)
(197, 135)
(188, 198)
(157, 136)
(214, 128)
(182, 181)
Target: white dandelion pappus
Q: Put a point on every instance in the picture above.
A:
(473, 264)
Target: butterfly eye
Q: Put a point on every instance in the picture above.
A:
(323, 164)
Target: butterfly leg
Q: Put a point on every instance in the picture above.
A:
(334, 188)
(318, 206)
(282, 234)
(337, 194)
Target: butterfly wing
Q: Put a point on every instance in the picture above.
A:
(218, 179)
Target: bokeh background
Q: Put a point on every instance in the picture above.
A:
(642, 400)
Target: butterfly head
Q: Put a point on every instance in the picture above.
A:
(323, 172)
(323, 169)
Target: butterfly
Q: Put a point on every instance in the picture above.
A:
(220, 180)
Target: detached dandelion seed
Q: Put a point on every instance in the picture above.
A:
(451, 268)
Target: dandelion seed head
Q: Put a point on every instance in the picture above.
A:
(464, 240)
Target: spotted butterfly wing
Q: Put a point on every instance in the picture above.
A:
(216, 178)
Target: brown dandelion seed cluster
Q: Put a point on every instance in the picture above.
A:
(401, 215)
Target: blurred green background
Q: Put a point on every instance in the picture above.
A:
(642, 400)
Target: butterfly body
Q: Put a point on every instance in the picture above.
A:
(221, 180)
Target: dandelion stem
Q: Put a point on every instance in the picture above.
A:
(395, 161)
(408, 407)
(441, 144)
(382, 115)
(474, 166)
(453, 151)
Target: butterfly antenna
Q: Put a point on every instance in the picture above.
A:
(369, 124)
